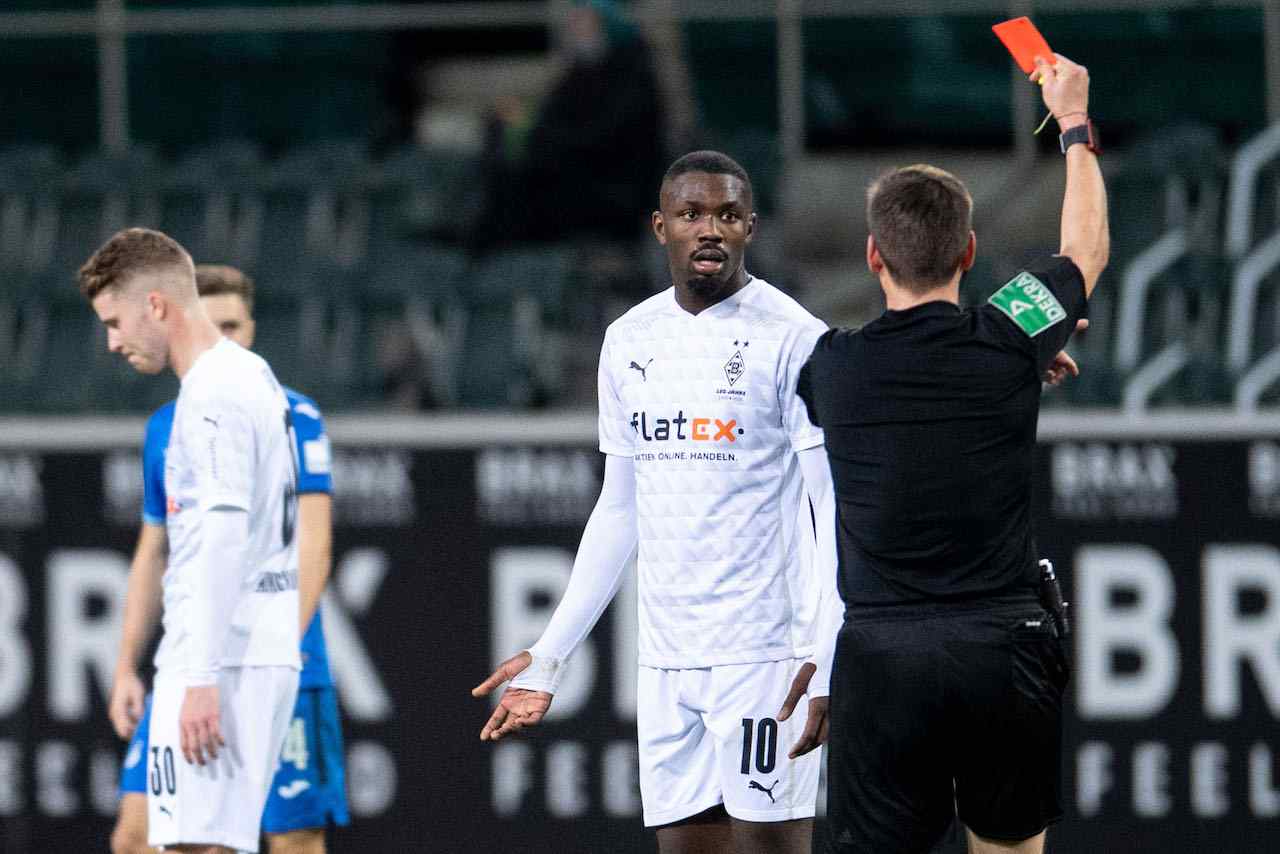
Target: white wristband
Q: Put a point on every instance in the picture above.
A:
(543, 674)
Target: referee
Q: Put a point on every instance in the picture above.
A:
(947, 692)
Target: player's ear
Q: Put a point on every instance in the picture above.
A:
(751, 226)
(659, 227)
(970, 253)
(157, 305)
(875, 263)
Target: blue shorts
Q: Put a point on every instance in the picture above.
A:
(309, 789)
(133, 776)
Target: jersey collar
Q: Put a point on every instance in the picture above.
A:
(725, 305)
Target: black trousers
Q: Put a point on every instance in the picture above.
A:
(939, 711)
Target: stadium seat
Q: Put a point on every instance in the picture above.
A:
(543, 272)
(489, 373)
(415, 192)
(28, 211)
(316, 211)
(104, 192)
(213, 202)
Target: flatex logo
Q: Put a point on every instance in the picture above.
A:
(1101, 480)
(1264, 479)
(700, 429)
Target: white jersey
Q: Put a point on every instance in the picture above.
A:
(232, 445)
(706, 406)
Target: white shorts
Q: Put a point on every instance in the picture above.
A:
(220, 803)
(710, 735)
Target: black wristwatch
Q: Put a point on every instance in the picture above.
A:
(1085, 133)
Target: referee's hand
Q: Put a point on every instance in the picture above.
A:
(815, 727)
(1063, 365)
(517, 707)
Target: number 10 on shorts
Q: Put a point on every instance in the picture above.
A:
(764, 735)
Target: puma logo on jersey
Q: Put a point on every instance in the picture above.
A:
(165, 810)
(769, 791)
(291, 791)
(211, 421)
(636, 367)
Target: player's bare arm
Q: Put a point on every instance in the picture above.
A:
(141, 614)
(607, 543)
(1086, 236)
(315, 552)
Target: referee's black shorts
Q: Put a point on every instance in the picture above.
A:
(945, 710)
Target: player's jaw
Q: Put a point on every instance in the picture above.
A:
(130, 334)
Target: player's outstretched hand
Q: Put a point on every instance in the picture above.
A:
(517, 707)
(816, 725)
(128, 699)
(1063, 365)
(199, 723)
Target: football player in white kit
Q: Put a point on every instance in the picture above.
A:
(227, 667)
(711, 467)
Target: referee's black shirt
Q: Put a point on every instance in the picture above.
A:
(930, 422)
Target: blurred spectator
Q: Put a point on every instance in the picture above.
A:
(587, 159)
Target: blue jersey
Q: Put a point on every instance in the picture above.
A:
(313, 476)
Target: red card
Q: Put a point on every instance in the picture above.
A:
(1024, 42)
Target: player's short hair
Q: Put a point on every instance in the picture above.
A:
(920, 217)
(215, 279)
(128, 252)
(711, 162)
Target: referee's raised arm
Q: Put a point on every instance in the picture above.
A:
(1086, 236)
(949, 677)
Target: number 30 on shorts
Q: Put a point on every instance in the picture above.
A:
(764, 734)
(167, 774)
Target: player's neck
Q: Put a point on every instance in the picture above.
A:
(191, 337)
(898, 298)
(696, 303)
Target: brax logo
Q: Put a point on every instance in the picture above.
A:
(701, 429)
(636, 367)
(769, 791)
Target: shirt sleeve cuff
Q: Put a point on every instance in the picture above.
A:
(200, 678)
(807, 440)
(225, 499)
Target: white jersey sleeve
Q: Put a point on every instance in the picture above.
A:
(795, 418)
(617, 436)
